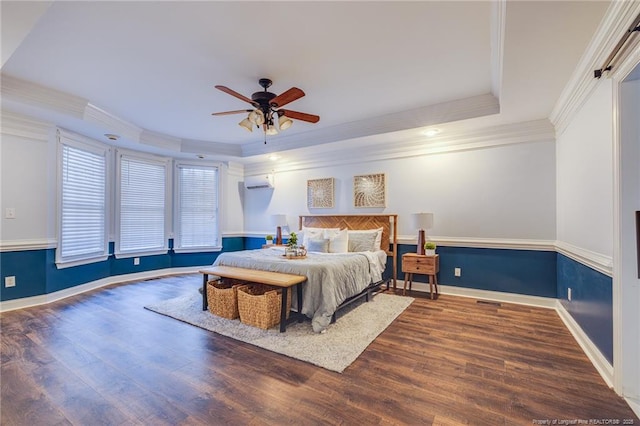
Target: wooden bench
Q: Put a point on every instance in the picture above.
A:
(284, 281)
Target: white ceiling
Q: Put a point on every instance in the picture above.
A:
(366, 67)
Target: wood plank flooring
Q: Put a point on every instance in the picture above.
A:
(100, 358)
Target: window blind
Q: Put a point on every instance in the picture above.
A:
(142, 206)
(197, 207)
(83, 205)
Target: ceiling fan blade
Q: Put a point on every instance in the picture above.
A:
(285, 97)
(234, 93)
(301, 116)
(232, 112)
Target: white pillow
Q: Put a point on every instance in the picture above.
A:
(378, 238)
(338, 241)
(318, 245)
(309, 233)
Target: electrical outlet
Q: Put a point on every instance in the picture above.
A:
(136, 260)
(9, 213)
(569, 294)
(457, 272)
(10, 281)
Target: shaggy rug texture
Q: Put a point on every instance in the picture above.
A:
(357, 326)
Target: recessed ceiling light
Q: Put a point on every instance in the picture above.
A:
(200, 156)
(112, 137)
(431, 132)
(274, 157)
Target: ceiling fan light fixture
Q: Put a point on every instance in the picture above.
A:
(271, 130)
(267, 109)
(246, 124)
(284, 122)
(257, 117)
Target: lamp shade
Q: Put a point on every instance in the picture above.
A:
(284, 122)
(423, 220)
(271, 130)
(279, 219)
(246, 124)
(256, 116)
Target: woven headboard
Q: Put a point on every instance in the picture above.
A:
(388, 223)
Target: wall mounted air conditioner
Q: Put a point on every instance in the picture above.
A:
(259, 181)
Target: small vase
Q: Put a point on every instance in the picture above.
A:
(428, 252)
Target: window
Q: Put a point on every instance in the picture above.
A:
(82, 203)
(197, 216)
(141, 213)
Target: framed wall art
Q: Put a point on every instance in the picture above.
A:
(369, 190)
(320, 193)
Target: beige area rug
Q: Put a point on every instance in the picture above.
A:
(357, 326)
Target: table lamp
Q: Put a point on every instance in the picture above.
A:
(422, 221)
(279, 220)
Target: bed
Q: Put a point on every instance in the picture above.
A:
(333, 279)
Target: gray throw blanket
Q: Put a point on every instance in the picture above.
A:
(331, 277)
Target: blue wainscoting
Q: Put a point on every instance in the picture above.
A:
(36, 272)
(528, 272)
(591, 304)
(29, 268)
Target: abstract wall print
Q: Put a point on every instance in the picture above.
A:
(369, 190)
(320, 193)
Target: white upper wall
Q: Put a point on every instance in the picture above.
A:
(585, 175)
(502, 192)
(25, 187)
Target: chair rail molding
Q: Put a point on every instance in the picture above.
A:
(25, 245)
(600, 262)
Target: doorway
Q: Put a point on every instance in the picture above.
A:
(626, 286)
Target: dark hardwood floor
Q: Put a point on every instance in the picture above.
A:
(100, 358)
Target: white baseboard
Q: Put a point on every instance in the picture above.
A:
(496, 296)
(27, 302)
(634, 404)
(590, 349)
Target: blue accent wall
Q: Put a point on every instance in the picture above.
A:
(591, 304)
(36, 272)
(528, 272)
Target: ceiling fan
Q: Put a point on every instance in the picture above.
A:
(267, 107)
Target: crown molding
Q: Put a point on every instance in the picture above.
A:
(111, 123)
(212, 148)
(616, 22)
(159, 140)
(477, 106)
(26, 127)
(341, 154)
(235, 169)
(596, 261)
(44, 97)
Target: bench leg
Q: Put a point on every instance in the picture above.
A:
(299, 293)
(283, 310)
(205, 279)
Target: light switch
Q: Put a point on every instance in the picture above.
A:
(10, 213)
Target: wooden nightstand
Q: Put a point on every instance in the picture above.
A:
(413, 263)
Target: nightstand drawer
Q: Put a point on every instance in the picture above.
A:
(420, 264)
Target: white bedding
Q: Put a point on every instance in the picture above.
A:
(331, 277)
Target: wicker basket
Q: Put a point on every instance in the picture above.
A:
(259, 305)
(222, 297)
